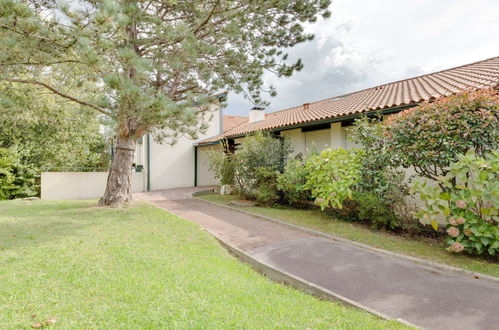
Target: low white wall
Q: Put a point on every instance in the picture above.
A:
(80, 185)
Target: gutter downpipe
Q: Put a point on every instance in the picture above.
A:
(148, 156)
(195, 166)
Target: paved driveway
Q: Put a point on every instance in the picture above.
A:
(396, 287)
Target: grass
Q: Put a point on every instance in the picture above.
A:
(140, 267)
(315, 219)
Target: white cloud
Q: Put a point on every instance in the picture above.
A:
(370, 42)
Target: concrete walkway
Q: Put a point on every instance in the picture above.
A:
(392, 286)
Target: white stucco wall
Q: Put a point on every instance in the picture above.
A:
(205, 177)
(297, 140)
(80, 185)
(172, 166)
(337, 136)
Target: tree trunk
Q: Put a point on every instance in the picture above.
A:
(119, 186)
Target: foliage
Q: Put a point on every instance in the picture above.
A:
(50, 134)
(429, 137)
(222, 166)
(43, 134)
(152, 66)
(379, 175)
(258, 161)
(17, 179)
(377, 159)
(374, 210)
(332, 176)
(292, 183)
(6, 176)
(267, 191)
(469, 204)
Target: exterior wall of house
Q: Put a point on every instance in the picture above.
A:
(172, 166)
(205, 177)
(297, 140)
(305, 142)
(337, 136)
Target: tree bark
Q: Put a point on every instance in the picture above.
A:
(119, 186)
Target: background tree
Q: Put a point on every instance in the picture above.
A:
(150, 65)
(39, 133)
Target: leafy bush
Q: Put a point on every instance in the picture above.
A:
(17, 180)
(469, 204)
(222, 165)
(368, 133)
(332, 176)
(256, 165)
(292, 183)
(429, 137)
(6, 175)
(381, 181)
(267, 191)
(372, 209)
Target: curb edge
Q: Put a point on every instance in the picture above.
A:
(281, 276)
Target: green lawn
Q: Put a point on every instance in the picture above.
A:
(315, 219)
(140, 267)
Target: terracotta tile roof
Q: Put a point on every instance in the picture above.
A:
(428, 87)
(232, 121)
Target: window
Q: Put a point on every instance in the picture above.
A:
(317, 140)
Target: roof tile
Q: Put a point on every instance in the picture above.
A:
(483, 74)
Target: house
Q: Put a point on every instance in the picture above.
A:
(309, 126)
(171, 166)
(326, 123)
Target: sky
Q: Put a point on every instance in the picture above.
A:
(366, 43)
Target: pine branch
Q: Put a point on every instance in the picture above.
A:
(200, 26)
(56, 91)
(41, 63)
(24, 34)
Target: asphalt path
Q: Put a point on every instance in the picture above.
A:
(393, 286)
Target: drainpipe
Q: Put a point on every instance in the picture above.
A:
(148, 156)
(195, 166)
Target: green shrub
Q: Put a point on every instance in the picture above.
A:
(332, 175)
(256, 165)
(429, 137)
(17, 179)
(292, 183)
(222, 165)
(370, 208)
(469, 203)
(379, 176)
(267, 192)
(6, 175)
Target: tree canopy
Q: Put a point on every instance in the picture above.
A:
(38, 133)
(151, 65)
(51, 134)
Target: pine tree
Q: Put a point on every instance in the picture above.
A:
(150, 65)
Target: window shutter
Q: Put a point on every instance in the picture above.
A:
(317, 140)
